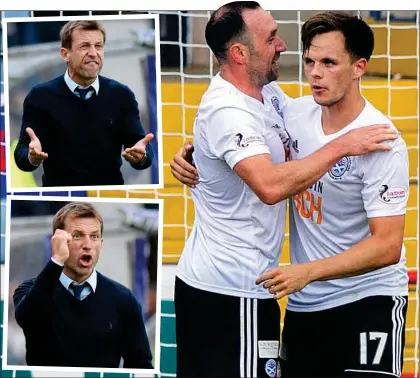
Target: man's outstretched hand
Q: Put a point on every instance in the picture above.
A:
(137, 153)
(36, 155)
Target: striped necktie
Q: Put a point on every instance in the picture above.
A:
(77, 289)
(83, 92)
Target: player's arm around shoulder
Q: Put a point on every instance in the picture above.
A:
(275, 182)
(282, 180)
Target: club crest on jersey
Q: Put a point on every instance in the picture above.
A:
(271, 368)
(276, 104)
(340, 168)
(392, 195)
(243, 142)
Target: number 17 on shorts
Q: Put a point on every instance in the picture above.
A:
(378, 345)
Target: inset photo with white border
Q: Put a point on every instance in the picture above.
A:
(82, 102)
(82, 284)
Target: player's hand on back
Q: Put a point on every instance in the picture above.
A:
(59, 245)
(182, 167)
(36, 155)
(367, 139)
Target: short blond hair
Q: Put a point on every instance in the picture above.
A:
(76, 210)
(67, 30)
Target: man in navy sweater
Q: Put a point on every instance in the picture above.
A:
(77, 124)
(71, 314)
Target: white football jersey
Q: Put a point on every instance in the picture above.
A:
(235, 237)
(332, 215)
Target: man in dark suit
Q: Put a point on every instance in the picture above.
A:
(80, 124)
(71, 314)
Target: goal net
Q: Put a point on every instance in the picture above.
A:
(391, 85)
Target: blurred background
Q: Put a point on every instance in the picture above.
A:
(187, 65)
(34, 57)
(128, 255)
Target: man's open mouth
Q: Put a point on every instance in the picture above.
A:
(86, 259)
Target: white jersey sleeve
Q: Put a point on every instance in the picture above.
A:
(385, 177)
(236, 135)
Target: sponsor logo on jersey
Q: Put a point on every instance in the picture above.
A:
(276, 104)
(243, 142)
(309, 205)
(392, 195)
(271, 368)
(340, 168)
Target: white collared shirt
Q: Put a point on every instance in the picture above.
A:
(72, 85)
(67, 281)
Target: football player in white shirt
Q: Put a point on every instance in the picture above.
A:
(348, 283)
(226, 325)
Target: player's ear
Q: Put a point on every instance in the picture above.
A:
(237, 53)
(64, 54)
(360, 67)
